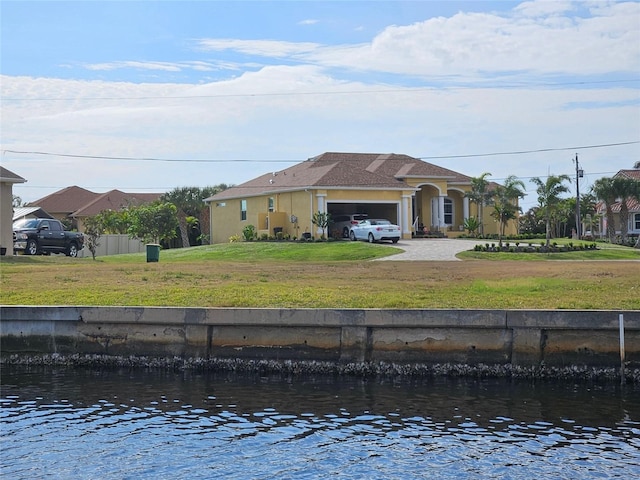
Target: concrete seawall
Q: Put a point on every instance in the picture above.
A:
(516, 337)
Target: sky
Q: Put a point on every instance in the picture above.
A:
(148, 96)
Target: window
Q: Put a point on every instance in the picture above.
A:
(636, 221)
(448, 211)
(271, 208)
(243, 209)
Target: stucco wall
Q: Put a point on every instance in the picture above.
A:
(518, 337)
(6, 217)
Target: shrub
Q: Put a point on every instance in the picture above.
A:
(249, 233)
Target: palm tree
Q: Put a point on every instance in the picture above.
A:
(505, 205)
(189, 202)
(604, 190)
(625, 189)
(549, 197)
(185, 199)
(480, 195)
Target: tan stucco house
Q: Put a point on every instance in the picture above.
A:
(408, 191)
(7, 180)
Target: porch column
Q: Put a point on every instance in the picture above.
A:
(441, 212)
(405, 224)
(465, 208)
(322, 208)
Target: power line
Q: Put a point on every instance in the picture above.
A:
(245, 160)
(523, 152)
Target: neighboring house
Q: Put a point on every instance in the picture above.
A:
(7, 180)
(408, 191)
(633, 206)
(20, 213)
(75, 203)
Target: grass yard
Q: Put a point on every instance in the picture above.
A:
(325, 275)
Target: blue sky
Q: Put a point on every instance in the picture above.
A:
(152, 95)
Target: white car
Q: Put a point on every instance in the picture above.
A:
(375, 230)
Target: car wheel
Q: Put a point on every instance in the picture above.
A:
(371, 239)
(352, 236)
(345, 233)
(72, 251)
(395, 240)
(32, 248)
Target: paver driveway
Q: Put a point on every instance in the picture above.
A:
(431, 249)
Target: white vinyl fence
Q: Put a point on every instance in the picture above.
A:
(114, 245)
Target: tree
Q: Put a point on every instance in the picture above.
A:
(322, 221)
(155, 222)
(93, 230)
(189, 202)
(604, 190)
(116, 222)
(530, 222)
(549, 197)
(186, 201)
(17, 201)
(625, 189)
(505, 203)
(480, 195)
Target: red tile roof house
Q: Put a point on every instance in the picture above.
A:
(633, 206)
(7, 180)
(75, 203)
(403, 189)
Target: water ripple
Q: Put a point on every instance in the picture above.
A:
(86, 424)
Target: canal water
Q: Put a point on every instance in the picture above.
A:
(135, 424)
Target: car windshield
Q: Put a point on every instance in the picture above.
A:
(26, 223)
(380, 222)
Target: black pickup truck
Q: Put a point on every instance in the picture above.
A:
(45, 235)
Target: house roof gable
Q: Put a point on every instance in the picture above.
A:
(7, 176)
(114, 200)
(65, 201)
(79, 202)
(631, 173)
(343, 170)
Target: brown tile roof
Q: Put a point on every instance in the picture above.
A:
(350, 170)
(115, 200)
(79, 202)
(65, 201)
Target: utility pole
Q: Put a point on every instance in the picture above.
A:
(579, 175)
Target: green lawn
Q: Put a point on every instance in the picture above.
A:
(326, 275)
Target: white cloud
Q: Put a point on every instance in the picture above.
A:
(294, 112)
(309, 21)
(159, 66)
(265, 48)
(538, 38)
(544, 8)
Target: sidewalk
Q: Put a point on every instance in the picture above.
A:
(439, 249)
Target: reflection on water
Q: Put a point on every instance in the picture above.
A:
(59, 423)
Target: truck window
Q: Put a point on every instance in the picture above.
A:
(54, 226)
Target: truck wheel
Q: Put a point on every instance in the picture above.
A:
(72, 250)
(32, 247)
